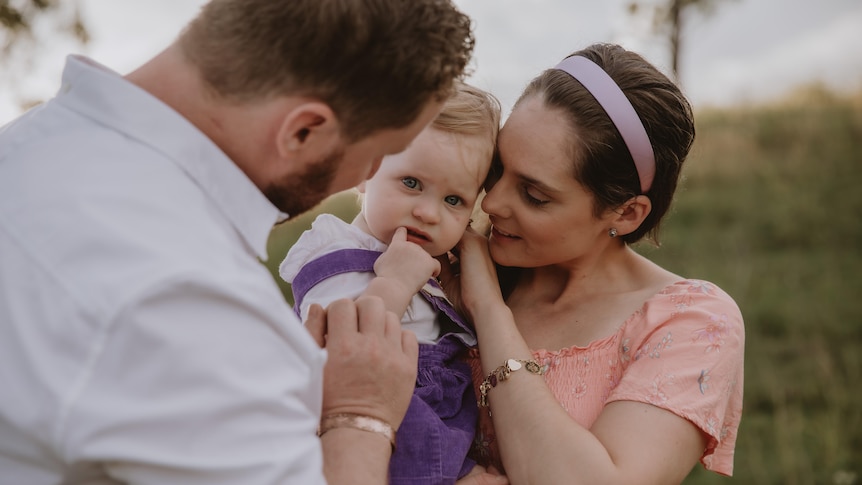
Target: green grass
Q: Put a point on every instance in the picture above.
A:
(770, 209)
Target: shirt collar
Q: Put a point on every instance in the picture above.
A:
(104, 96)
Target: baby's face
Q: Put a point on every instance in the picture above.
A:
(430, 188)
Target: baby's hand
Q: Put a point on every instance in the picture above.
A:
(406, 262)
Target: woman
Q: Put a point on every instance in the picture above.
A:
(595, 364)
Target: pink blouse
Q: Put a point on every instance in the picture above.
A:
(682, 351)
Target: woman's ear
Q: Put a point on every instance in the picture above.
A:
(308, 128)
(632, 214)
(361, 187)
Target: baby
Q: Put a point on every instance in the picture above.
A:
(414, 209)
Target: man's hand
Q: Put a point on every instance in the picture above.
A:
(371, 365)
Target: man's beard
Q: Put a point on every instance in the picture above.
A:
(299, 193)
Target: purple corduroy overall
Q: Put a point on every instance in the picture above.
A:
(436, 434)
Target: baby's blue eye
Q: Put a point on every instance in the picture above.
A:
(452, 199)
(410, 182)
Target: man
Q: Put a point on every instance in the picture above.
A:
(141, 341)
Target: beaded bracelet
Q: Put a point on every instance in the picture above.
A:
(357, 421)
(502, 373)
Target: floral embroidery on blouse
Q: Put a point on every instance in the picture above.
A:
(704, 287)
(549, 363)
(711, 422)
(481, 449)
(714, 332)
(702, 381)
(655, 351)
(625, 354)
(658, 396)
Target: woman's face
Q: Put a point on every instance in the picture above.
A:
(540, 214)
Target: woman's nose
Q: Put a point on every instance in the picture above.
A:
(494, 201)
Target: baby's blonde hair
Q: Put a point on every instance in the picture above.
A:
(471, 111)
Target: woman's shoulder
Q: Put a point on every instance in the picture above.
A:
(684, 294)
(691, 306)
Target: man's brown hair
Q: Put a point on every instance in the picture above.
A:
(376, 63)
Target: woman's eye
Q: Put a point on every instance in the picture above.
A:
(452, 199)
(410, 182)
(532, 198)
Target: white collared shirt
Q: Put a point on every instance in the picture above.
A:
(141, 340)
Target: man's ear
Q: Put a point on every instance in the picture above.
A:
(632, 214)
(307, 127)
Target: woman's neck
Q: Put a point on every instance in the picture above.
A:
(614, 271)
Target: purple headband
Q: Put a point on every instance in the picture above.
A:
(620, 111)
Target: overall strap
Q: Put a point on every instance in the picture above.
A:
(361, 260)
(330, 264)
(443, 305)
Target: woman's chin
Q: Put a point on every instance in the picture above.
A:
(500, 253)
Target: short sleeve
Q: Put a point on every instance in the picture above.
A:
(685, 355)
(348, 285)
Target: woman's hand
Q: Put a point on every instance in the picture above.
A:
(480, 476)
(450, 279)
(470, 278)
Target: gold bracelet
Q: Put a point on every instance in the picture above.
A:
(357, 421)
(502, 373)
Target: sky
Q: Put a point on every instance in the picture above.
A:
(745, 51)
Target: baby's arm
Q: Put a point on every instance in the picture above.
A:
(401, 272)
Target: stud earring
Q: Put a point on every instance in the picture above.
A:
(612, 232)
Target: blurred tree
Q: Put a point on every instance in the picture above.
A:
(668, 20)
(25, 25)
(18, 17)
